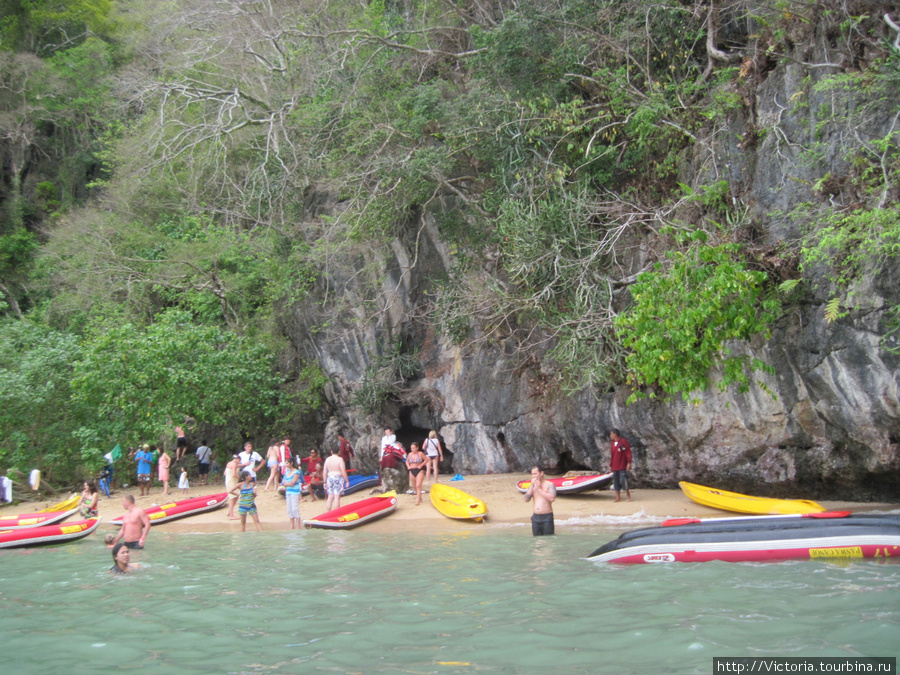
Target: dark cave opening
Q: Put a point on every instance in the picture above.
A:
(567, 463)
(410, 433)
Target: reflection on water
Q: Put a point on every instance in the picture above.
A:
(492, 599)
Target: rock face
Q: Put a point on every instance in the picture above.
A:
(395, 479)
(826, 424)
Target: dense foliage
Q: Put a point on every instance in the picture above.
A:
(197, 198)
(36, 413)
(684, 316)
(137, 382)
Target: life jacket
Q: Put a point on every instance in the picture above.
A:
(393, 456)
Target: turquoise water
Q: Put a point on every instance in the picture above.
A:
(491, 599)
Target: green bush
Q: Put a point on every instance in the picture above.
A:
(683, 316)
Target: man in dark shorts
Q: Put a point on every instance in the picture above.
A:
(544, 494)
(144, 458)
(135, 524)
(181, 443)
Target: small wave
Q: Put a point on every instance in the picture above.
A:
(639, 518)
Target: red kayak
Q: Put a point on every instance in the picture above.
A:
(34, 519)
(47, 534)
(570, 485)
(357, 513)
(186, 507)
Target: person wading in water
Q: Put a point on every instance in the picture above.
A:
(544, 493)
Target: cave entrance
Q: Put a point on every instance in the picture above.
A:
(412, 431)
(567, 463)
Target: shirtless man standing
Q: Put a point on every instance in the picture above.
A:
(135, 524)
(181, 443)
(544, 493)
(334, 471)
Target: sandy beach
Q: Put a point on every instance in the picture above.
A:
(505, 505)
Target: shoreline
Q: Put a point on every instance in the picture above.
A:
(506, 505)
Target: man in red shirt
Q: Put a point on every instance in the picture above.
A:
(619, 464)
(346, 450)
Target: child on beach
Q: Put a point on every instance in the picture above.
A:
(183, 482)
(246, 492)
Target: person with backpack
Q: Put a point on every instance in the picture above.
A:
(204, 455)
(435, 455)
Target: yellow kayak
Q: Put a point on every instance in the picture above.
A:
(733, 501)
(66, 505)
(455, 503)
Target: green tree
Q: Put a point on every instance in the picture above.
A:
(138, 381)
(37, 416)
(43, 27)
(684, 315)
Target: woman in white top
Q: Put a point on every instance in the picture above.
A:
(435, 454)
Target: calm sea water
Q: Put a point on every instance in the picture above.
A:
(488, 599)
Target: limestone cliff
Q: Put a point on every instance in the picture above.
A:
(826, 424)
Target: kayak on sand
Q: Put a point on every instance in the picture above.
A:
(734, 501)
(181, 509)
(34, 519)
(47, 534)
(570, 485)
(454, 503)
(360, 512)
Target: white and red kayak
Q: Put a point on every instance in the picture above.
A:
(837, 534)
(360, 512)
(47, 534)
(181, 509)
(570, 485)
(34, 519)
